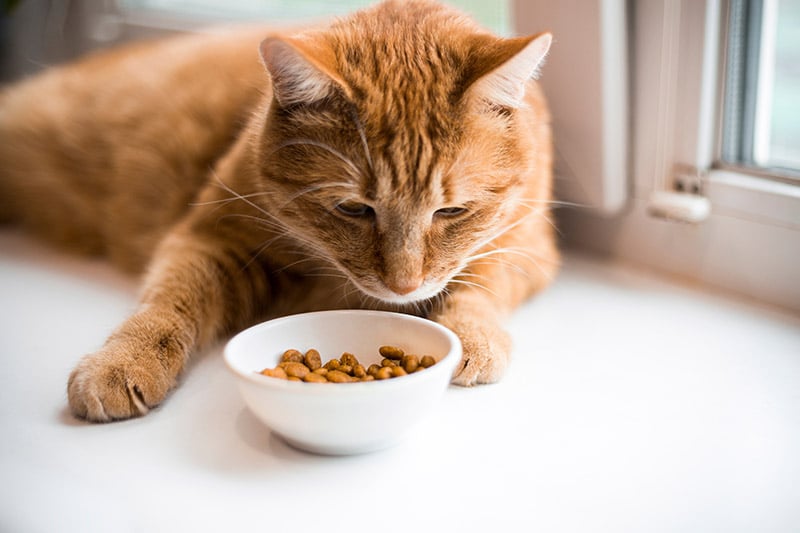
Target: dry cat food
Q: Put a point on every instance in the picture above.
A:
(297, 366)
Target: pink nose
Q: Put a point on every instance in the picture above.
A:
(404, 286)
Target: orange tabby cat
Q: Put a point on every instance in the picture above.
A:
(399, 159)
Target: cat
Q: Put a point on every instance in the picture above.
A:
(399, 158)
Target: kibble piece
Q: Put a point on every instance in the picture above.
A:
(292, 369)
(312, 359)
(321, 371)
(291, 356)
(312, 377)
(398, 371)
(373, 369)
(337, 376)
(391, 352)
(384, 373)
(294, 378)
(388, 362)
(368, 378)
(427, 361)
(348, 359)
(275, 373)
(333, 364)
(347, 369)
(410, 363)
(359, 371)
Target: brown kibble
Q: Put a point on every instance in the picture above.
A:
(274, 373)
(410, 363)
(337, 376)
(291, 356)
(312, 377)
(398, 371)
(298, 370)
(348, 359)
(359, 371)
(312, 359)
(427, 361)
(384, 373)
(391, 352)
(333, 364)
(308, 367)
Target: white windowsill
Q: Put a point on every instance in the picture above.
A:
(764, 200)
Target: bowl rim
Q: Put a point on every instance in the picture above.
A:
(253, 376)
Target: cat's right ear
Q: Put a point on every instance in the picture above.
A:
(303, 71)
(501, 69)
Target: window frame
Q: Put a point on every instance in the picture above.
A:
(749, 244)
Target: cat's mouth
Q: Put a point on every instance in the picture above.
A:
(380, 291)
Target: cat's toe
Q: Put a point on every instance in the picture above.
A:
(102, 388)
(480, 368)
(486, 353)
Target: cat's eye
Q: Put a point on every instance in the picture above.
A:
(354, 209)
(450, 211)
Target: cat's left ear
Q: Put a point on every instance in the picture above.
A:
(303, 70)
(504, 68)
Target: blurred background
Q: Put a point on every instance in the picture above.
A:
(677, 122)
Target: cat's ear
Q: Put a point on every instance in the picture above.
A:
(302, 70)
(503, 68)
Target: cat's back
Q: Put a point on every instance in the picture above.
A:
(112, 149)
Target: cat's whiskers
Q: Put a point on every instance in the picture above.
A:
(363, 135)
(474, 284)
(244, 198)
(264, 223)
(540, 211)
(233, 198)
(317, 187)
(513, 251)
(552, 203)
(502, 231)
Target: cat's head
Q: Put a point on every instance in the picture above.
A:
(394, 145)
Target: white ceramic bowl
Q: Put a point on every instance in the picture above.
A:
(342, 418)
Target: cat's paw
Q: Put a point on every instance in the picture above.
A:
(116, 384)
(486, 350)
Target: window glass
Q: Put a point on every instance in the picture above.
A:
(761, 127)
(782, 138)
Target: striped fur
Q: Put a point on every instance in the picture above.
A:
(398, 159)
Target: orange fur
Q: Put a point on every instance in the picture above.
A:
(398, 159)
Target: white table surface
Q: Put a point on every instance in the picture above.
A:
(632, 404)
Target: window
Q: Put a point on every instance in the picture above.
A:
(698, 203)
(762, 109)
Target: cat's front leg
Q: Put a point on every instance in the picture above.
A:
(133, 372)
(198, 287)
(476, 311)
(486, 344)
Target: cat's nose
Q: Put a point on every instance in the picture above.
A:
(404, 286)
